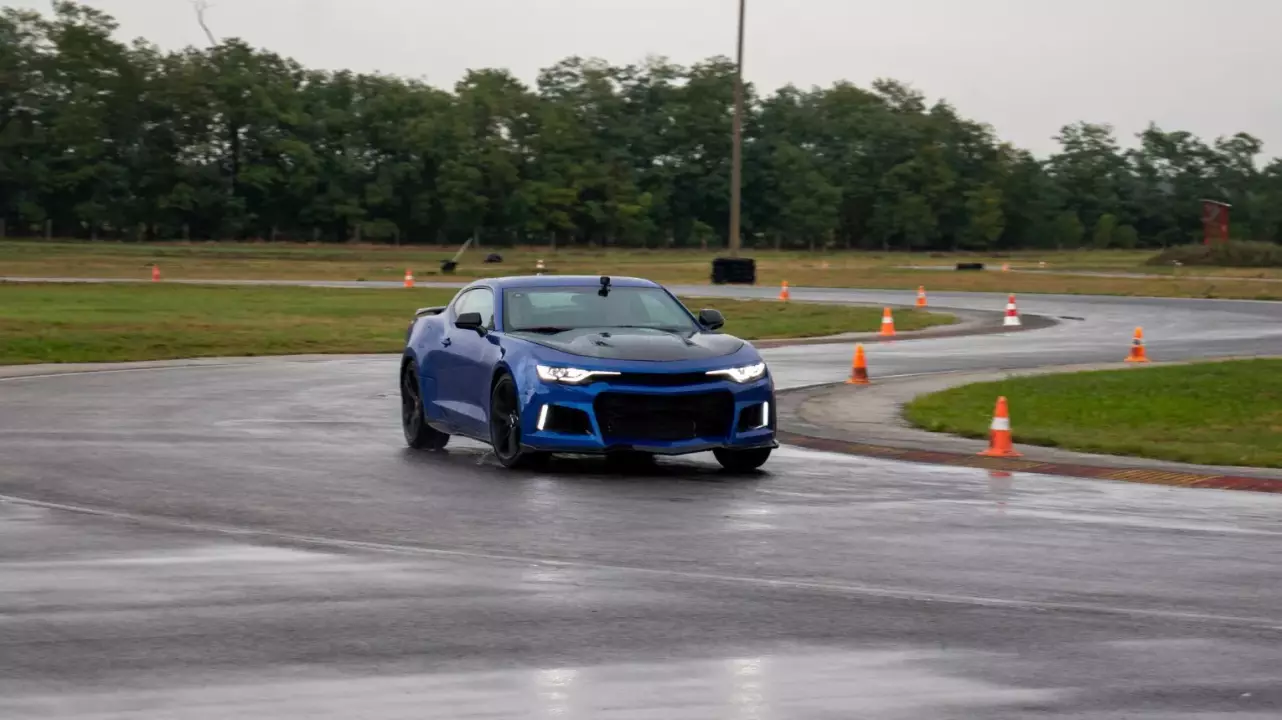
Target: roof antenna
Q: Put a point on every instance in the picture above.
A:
(605, 286)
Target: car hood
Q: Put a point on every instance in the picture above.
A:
(637, 344)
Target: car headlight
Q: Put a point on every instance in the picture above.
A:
(744, 374)
(569, 375)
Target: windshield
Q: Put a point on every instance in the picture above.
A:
(557, 309)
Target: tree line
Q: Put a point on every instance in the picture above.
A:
(101, 138)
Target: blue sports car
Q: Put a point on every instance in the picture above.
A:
(584, 365)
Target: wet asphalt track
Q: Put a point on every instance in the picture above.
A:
(265, 547)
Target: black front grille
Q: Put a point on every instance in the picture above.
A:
(665, 418)
(658, 379)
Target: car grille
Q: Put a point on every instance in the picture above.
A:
(659, 379)
(665, 418)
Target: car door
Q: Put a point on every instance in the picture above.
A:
(468, 358)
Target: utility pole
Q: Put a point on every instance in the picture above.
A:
(201, 7)
(736, 159)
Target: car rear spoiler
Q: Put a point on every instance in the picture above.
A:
(421, 312)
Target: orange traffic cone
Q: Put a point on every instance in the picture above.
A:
(921, 297)
(155, 273)
(859, 368)
(887, 324)
(1005, 267)
(999, 438)
(1138, 353)
(409, 278)
(784, 295)
(1012, 314)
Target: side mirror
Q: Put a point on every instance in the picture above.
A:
(470, 321)
(711, 319)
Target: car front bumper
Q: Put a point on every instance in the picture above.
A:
(603, 417)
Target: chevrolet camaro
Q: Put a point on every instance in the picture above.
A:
(539, 365)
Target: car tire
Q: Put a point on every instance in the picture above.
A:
(742, 461)
(418, 434)
(505, 428)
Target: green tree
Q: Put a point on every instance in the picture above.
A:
(105, 138)
(985, 220)
(1091, 170)
(1068, 230)
(25, 112)
(1102, 236)
(807, 202)
(1126, 237)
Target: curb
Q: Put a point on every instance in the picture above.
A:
(1094, 472)
(814, 434)
(970, 323)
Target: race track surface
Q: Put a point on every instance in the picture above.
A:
(253, 540)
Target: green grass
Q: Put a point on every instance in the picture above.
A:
(300, 261)
(1220, 413)
(757, 319)
(50, 323)
(1235, 254)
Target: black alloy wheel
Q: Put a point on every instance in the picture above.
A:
(418, 434)
(505, 427)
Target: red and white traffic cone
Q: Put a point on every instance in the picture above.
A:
(155, 273)
(1012, 314)
(409, 278)
(887, 324)
(1138, 353)
(1000, 442)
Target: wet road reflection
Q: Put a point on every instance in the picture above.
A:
(309, 566)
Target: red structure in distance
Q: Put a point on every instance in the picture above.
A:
(1215, 221)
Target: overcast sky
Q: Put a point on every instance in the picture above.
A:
(1027, 67)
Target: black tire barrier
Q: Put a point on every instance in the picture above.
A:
(970, 266)
(735, 271)
(493, 258)
(448, 266)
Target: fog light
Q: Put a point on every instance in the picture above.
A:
(543, 418)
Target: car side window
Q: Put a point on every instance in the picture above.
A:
(480, 300)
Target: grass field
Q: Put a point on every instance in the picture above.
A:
(228, 260)
(102, 323)
(1221, 413)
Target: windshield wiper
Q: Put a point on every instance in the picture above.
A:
(544, 329)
